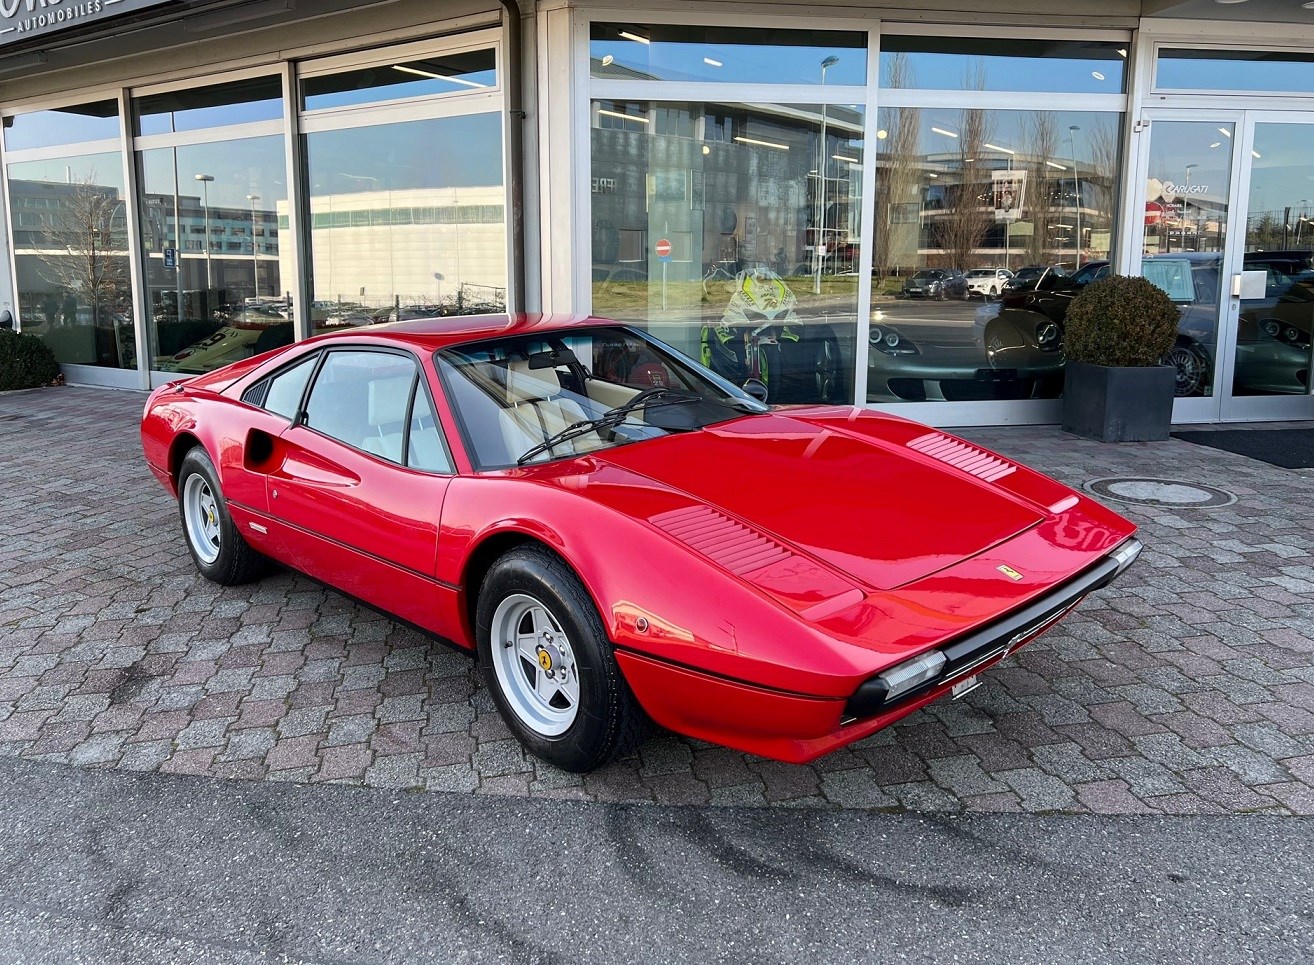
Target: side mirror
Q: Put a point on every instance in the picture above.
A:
(757, 389)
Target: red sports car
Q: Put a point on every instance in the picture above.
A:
(620, 534)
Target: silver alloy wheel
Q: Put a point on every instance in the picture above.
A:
(535, 665)
(201, 513)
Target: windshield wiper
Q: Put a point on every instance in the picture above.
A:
(612, 417)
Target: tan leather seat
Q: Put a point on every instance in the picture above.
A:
(386, 413)
(536, 411)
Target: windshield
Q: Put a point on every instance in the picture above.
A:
(536, 398)
(981, 273)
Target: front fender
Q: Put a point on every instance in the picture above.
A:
(656, 596)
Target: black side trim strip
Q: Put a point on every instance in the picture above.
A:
(346, 546)
(702, 671)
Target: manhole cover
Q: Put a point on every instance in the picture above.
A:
(1160, 492)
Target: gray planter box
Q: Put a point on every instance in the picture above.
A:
(1118, 404)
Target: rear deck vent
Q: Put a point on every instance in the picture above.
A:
(966, 457)
(721, 539)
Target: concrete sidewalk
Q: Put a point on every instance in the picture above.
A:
(1188, 688)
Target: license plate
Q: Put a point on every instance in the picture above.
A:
(965, 686)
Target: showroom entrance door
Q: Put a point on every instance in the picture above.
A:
(1229, 198)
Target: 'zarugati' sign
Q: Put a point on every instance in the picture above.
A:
(20, 19)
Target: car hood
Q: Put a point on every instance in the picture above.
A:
(848, 492)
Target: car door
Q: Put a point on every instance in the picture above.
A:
(358, 484)
(243, 455)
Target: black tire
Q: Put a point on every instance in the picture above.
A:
(827, 369)
(234, 562)
(1192, 368)
(609, 722)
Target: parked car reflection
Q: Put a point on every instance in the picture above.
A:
(1273, 336)
(938, 283)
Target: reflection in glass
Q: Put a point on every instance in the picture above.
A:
(983, 63)
(1011, 208)
(97, 121)
(1273, 350)
(193, 109)
(210, 217)
(731, 231)
(1185, 234)
(1281, 71)
(446, 74)
(735, 55)
(408, 220)
(70, 235)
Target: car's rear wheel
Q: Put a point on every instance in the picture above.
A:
(1192, 369)
(217, 548)
(548, 663)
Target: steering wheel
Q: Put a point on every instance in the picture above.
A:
(644, 395)
(635, 402)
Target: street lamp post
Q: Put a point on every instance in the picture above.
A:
(820, 239)
(205, 180)
(255, 262)
(1076, 187)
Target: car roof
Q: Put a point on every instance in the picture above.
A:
(437, 333)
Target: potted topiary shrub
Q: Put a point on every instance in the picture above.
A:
(26, 362)
(1116, 387)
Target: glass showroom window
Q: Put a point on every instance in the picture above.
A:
(68, 226)
(407, 203)
(727, 55)
(988, 220)
(732, 232)
(212, 184)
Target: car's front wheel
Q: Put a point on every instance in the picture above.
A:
(549, 665)
(216, 545)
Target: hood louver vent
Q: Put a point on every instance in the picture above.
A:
(718, 537)
(962, 456)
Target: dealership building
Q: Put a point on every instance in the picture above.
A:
(787, 191)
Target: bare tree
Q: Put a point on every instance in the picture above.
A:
(970, 203)
(1099, 187)
(1042, 145)
(79, 254)
(898, 182)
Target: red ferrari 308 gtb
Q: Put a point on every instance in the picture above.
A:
(621, 534)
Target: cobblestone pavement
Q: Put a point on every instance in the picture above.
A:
(1186, 688)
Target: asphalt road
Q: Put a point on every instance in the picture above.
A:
(112, 867)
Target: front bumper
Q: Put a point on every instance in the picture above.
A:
(995, 642)
(798, 728)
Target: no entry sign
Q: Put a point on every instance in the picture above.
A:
(663, 249)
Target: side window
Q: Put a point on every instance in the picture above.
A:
(426, 450)
(282, 393)
(360, 398)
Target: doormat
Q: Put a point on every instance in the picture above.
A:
(1288, 448)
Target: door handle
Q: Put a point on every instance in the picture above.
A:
(305, 467)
